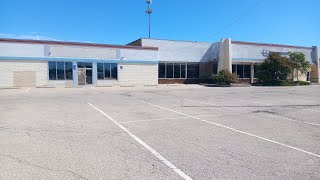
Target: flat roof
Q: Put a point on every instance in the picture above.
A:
(29, 41)
(272, 45)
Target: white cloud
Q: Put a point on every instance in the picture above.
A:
(33, 36)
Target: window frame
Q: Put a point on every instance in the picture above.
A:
(243, 70)
(64, 71)
(182, 70)
(110, 74)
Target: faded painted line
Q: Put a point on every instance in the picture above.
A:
(279, 117)
(27, 90)
(163, 119)
(289, 119)
(314, 110)
(210, 104)
(151, 120)
(236, 130)
(154, 152)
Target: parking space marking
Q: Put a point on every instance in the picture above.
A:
(289, 119)
(151, 150)
(27, 90)
(163, 119)
(314, 110)
(236, 130)
(275, 116)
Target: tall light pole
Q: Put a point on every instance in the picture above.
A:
(149, 11)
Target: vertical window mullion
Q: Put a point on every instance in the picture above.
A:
(56, 70)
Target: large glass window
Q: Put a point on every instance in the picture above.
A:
(178, 70)
(100, 71)
(183, 70)
(114, 71)
(234, 69)
(243, 71)
(68, 68)
(107, 71)
(52, 70)
(60, 70)
(247, 71)
(169, 70)
(177, 73)
(162, 70)
(240, 70)
(193, 70)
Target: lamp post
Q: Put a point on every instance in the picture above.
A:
(149, 11)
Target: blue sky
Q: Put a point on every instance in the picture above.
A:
(293, 22)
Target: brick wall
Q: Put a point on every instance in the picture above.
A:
(134, 74)
(12, 72)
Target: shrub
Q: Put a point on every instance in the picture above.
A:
(225, 77)
(274, 69)
(284, 83)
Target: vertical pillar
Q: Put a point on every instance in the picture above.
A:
(225, 55)
(252, 73)
(94, 73)
(75, 73)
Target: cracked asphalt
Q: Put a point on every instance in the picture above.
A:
(207, 133)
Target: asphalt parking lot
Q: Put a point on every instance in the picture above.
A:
(164, 132)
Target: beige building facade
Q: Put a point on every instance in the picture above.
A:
(36, 63)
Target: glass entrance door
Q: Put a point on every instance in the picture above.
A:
(84, 73)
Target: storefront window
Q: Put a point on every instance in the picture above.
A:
(193, 70)
(107, 71)
(169, 70)
(60, 70)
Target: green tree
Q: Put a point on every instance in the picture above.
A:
(298, 64)
(274, 69)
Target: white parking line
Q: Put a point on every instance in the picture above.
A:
(275, 116)
(154, 152)
(289, 119)
(163, 119)
(27, 90)
(236, 130)
(314, 110)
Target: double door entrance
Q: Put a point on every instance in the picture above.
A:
(84, 73)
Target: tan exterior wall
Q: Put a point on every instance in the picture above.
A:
(134, 74)
(81, 52)
(314, 73)
(146, 74)
(23, 74)
(302, 77)
(28, 74)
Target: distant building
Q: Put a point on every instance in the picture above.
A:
(26, 63)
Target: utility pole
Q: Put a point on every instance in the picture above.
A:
(149, 11)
